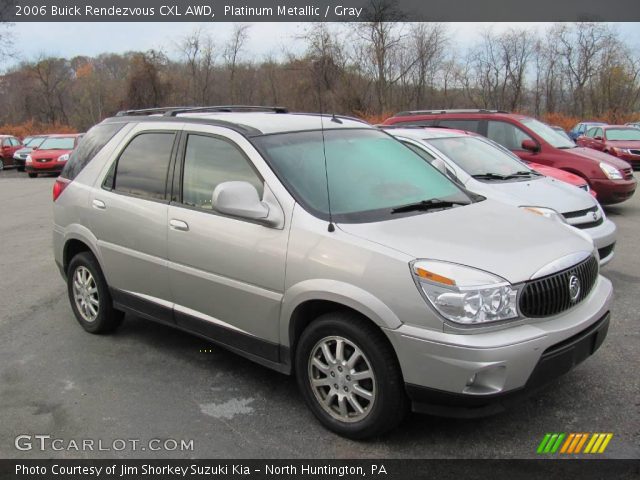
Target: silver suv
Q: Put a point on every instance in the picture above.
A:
(322, 247)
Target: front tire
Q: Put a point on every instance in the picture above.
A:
(89, 296)
(349, 376)
(32, 175)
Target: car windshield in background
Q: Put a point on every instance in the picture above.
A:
(548, 134)
(35, 142)
(58, 143)
(370, 174)
(478, 157)
(630, 134)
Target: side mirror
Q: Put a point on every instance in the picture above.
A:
(240, 199)
(598, 138)
(530, 145)
(34, 148)
(440, 165)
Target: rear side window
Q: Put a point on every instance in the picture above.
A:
(466, 125)
(142, 167)
(91, 144)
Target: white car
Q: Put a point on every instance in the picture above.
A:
(486, 168)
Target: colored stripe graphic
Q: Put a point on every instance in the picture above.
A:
(573, 443)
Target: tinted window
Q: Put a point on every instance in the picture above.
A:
(91, 144)
(15, 142)
(629, 134)
(424, 123)
(466, 125)
(143, 165)
(58, 143)
(591, 132)
(506, 134)
(210, 161)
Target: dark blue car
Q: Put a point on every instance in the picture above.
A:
(581, 128)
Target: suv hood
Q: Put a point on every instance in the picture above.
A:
(488, 235)
(592, 154)
(538, 192)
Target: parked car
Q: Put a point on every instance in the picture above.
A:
(52, 154)
(322, 247)
(488, 169)
(561, 175)
(533, 141)
(581, 128)
(29, 143)
(8, 146)
(619, 140)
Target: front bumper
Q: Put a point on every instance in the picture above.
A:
(19, 162)
(49, 167)
(613, 191)
(604, 239)
(474, 374)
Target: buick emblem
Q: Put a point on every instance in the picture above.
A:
(595, 215)
(574, 288)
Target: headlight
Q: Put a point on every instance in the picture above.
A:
(29, 159)
(63, 158)
(545, 212)
(465, 295)
(610, 171)
(617, 150)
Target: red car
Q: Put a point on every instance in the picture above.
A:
(619, 140)
(52, 154)
(534, 141)
(8, 146)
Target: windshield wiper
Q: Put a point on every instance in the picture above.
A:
(426, 205)
(497, 176)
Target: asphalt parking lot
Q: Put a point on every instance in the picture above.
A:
(151, 382)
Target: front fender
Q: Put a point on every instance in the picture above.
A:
(338, 292)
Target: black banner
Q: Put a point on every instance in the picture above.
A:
(317, 10)
(319, 469)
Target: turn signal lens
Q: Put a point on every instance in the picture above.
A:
(434, 277)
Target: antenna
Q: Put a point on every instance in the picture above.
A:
(331, 227)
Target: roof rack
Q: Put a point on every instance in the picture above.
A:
(435, 112)
(174, 111)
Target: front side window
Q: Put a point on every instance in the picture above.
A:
(591, 132)
(369, 173)
(506, 134)
(210, 161)
(547, 133)
(142, 167)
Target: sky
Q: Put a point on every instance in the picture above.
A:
(72, 39)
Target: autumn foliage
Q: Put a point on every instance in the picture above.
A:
(32, 127)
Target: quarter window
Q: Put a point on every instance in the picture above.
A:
(143, 165)
(210, 161)
(506, 134)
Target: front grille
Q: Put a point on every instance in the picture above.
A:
(627, 173)
(583, 226)
(604, 252)
(634, 152)
(44, 160)
(584, 187)
(580, 213)
(550, 295)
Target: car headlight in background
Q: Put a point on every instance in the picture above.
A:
(29, 159)
(63, 158)
(611, 172)
(545, 212)
(463, 294)
(618, 151)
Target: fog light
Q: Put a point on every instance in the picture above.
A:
(472, 379)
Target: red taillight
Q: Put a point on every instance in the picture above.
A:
(59, 186)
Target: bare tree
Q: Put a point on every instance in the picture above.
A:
(231, 55)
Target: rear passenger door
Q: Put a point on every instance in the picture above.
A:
(129, 219)
(226, 273)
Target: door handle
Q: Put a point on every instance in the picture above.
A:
(178, 225)
(99, 204)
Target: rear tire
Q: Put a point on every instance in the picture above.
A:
(356, 400)
(89, 295)
(20, 169)
(32, 175)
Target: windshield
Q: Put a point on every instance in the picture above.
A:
(548, 134)
(477, 156)
(34, 142)
(58, 143)
(622, 134)
(369, 173)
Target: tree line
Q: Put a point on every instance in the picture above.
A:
(370, 69)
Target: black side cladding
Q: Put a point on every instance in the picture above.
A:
(95, 139)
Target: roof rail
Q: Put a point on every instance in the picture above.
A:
(435, 112)
(174, 111)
